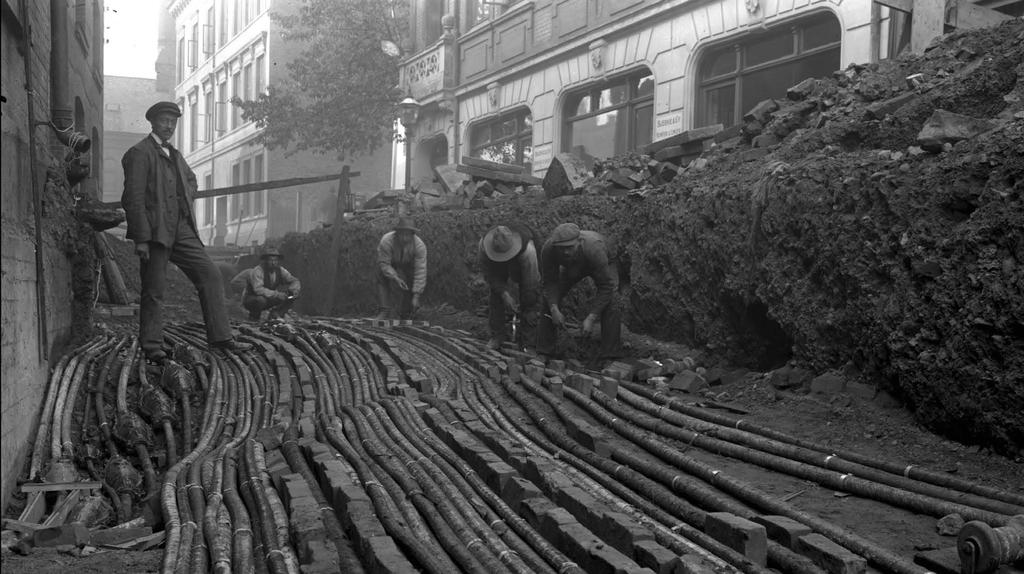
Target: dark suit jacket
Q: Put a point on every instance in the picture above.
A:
(150, 199)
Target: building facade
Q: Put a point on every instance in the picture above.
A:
(125, 100)
(52, 75)
(520, 81)
(225, 49)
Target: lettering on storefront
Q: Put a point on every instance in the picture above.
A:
(541, 157)
(667, 125)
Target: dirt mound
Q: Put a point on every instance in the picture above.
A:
(835, 241)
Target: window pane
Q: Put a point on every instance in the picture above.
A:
(722, 62)
(769, 48)
(643, 126)
(579, 104)
(720, 105)
(644, 86)
(595, 137)
(769, 83)
(818, 65)
(820, 33)
(507, 152)
(613, 96)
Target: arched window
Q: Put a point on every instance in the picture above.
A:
(734, 78)
(610, 118)
(505, 139)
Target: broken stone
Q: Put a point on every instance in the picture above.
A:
(762, 111)
(828, 384)
(950, 525)
(688, 381)
(802, 90)
(947, 127)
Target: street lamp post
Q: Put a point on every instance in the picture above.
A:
(410, 109)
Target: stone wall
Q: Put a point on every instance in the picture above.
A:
(25, 360)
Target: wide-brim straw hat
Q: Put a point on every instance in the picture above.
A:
(502, 244)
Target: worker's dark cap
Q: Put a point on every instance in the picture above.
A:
(565, 234)
(163, 108)
(270, 252)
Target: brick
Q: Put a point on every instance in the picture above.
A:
(783, 530)
(533, 510)
(578, 502)
(361, 521)
(497, 474)
(592, 438)
(72, 534)
(514, 371)
(609, 387)
(746, 537)
(534, 373)
(582, 384)
(827, 554)
(688, 381)
(386, 558)
(693, 564)
(556, 365)
(622, 532)
(554, 384)
(518, 489)
(319, 558)
(306, 426)
(650, 554)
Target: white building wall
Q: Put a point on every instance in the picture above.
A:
(668, 40)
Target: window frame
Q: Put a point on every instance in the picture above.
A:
(523, 131)
(795, 28)
(633, 102)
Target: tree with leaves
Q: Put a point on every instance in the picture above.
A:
(340, 94)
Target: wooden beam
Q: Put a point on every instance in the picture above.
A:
(60, 486)
(35, 508)
(60, 514)
(492, 165)
(291, 182)
(901, 5)
(20, 526)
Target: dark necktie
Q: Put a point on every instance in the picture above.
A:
(168, 147)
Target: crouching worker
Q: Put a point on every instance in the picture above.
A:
(509, 254)
(569, 256)
(401, 271)
(269, 287)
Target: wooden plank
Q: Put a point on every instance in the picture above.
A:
(688, 136)
(60, 514)
(497, 175)
(449, 177)
(35, 508)
(58, 486)
(492, 165)
(20, 526)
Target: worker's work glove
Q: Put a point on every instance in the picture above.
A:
(415, 302)
(401, 284)
(588, 324)
(142, 250)
(557, 317)
(510, 302)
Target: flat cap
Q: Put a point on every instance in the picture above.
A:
(565, 234)
(163, 108)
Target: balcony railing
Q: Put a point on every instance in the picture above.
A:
(428, 73)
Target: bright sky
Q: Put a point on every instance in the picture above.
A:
(131, 36)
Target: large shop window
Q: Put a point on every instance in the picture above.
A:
(507, 139)
(733, 79)
(610, 118)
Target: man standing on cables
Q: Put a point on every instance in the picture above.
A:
(158, 191)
